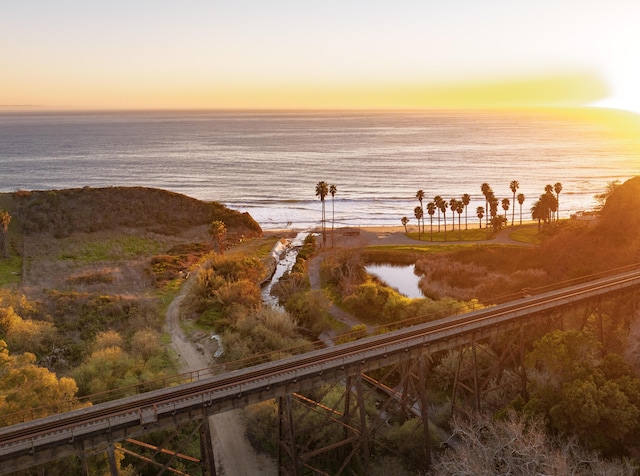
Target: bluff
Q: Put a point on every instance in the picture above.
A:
(86, 210)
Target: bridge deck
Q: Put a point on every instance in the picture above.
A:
(35, 442)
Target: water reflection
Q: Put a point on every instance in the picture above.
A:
(402, 278)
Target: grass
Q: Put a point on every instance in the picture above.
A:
(10, 269)
(472, 234)
(110, 249)
(526, 234)
(421, 249)
(258, 247)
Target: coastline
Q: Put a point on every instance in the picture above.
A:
(395, 235)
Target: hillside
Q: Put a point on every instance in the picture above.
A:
(86, 210)
(113, 240)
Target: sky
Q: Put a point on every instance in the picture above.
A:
(281, 54)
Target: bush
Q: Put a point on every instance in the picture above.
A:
(311, 310)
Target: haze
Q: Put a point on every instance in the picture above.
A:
(332, 54)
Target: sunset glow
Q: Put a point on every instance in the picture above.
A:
(283, 55)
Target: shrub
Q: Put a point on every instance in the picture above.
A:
(311, 310)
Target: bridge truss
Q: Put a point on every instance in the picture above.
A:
(391, 370)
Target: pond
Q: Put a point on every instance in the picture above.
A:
(402, 278)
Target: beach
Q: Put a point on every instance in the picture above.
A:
(377, 235)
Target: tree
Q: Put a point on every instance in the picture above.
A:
(466, 199)
(493, 209)
(602, 197)
(480, 214)
(322, 190)
(431, 209)
(404, 221)
(5, 219)
(333, 190)
(505, 207)
(582, 393)
(537, 213)
(453, 205)
(460, 207)
(542, 209)
(517, 445)
(443, 208)
(513, 185)
(418, 213)
(557, 187)
(550, 204)
(420, 197)
(24, 385)
(438, 202)
(521, 201)
(486, 190)
(218, 231)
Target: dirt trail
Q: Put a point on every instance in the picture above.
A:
(233, 454)
(338, 314)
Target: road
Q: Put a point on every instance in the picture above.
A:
(233, 453)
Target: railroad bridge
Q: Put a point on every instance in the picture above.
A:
(392, 366)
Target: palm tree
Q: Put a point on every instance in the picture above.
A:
(453, 204)
(418, 213)
(485, 188)
(466, 199)
(404, 221)
(493, 210)
(5, 219)
(443, 208)
(431, 209)
(505, 206)
(459, 209)
(332, 190)
(544, 208)
(521, 201)
(537, 212)
(513, 185)
(550, 204)
(557, 187)
(438, 201)
(548, 188)
(218, 230)
(322, 190)
(420, 197)
(480, 215)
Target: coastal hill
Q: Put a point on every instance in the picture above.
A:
(113, 239)
(86, 210)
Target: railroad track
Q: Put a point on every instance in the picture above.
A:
(34, 442)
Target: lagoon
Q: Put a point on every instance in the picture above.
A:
(402, 278)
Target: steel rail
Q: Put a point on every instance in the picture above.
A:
(61, 429)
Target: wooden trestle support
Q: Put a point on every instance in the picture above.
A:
(486, 369)
(354, 412)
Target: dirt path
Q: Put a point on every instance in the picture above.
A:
(338, 314)
(233, 454)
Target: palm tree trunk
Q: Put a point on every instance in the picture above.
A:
(521, 213)
(431, 227)
(333, 219)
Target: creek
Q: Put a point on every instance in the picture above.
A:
(285, 253)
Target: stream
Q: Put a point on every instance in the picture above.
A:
(285, 253)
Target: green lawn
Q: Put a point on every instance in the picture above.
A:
(10, 269)
(472, 234)
(526, 234)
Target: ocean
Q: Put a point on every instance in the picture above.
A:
(268, 163)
